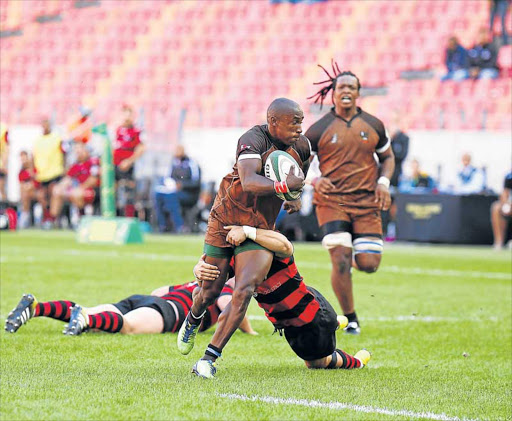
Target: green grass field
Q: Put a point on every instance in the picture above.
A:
(437, 320)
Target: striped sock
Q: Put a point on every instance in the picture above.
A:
(60, 310)
(108, 321)
(349, 361)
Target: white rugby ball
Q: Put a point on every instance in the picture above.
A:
(277, 168)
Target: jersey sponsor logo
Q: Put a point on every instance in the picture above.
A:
(244, 147)
(334, 138)
(364, 136)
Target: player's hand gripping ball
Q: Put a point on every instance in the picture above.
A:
(277, 168)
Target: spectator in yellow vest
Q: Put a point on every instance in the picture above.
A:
(48, 156)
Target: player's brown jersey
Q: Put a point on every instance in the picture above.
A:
(232, 205)
(346, 149)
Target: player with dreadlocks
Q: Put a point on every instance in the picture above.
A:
(352, 188)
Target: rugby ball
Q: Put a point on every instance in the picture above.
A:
(277, 167)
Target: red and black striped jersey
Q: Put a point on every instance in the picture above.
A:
(181, 296)
(284, 296)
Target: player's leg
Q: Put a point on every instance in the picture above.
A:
(143, 320)
(28, 307)
(204, 297)
(252, 264)
(59, 194)
(106, 317)
(499, 225)
(338, 241)
(367, 240)
(340, 359)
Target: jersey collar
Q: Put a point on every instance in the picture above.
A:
(349, 122)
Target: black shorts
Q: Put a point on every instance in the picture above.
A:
(51, 181)
(123, 175)
(162, 306)
(316, 339)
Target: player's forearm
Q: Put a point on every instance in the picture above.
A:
(274, 241)
(387, 166)
(257, 184)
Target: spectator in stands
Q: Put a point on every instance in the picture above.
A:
(28, 188)
(501, 213)
(80, 186)
(48, 156)
(4, 158)
(483, 57)
(400, 146)
(499, 8)
(128, 148)
(470, 180)
(180, 189)
(418, 181)
(456, 61)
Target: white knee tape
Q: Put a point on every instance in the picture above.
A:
(337, 239)
(368, 245)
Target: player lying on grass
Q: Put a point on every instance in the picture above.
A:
(307, 319)
(162, 311)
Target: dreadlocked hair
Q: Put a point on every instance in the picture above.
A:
(331, 82)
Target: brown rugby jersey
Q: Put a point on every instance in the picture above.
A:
(232, 205)
(345, 150)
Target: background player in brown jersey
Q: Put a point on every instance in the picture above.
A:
(246, 197)
(307, 319)
(353, 187)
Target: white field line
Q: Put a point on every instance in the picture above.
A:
(341, 406)
(424, 319)
(305, 264)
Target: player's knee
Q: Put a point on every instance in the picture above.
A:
(368, 263)
(368, 252)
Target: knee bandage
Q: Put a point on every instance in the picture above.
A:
(337, 239)
(370, 245)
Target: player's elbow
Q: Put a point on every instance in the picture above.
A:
(286, 249)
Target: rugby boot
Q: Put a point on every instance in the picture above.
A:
(364, 356)
(21, 314)
(77, 322)
(353, 328)
(187, 336)
(205, 369)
